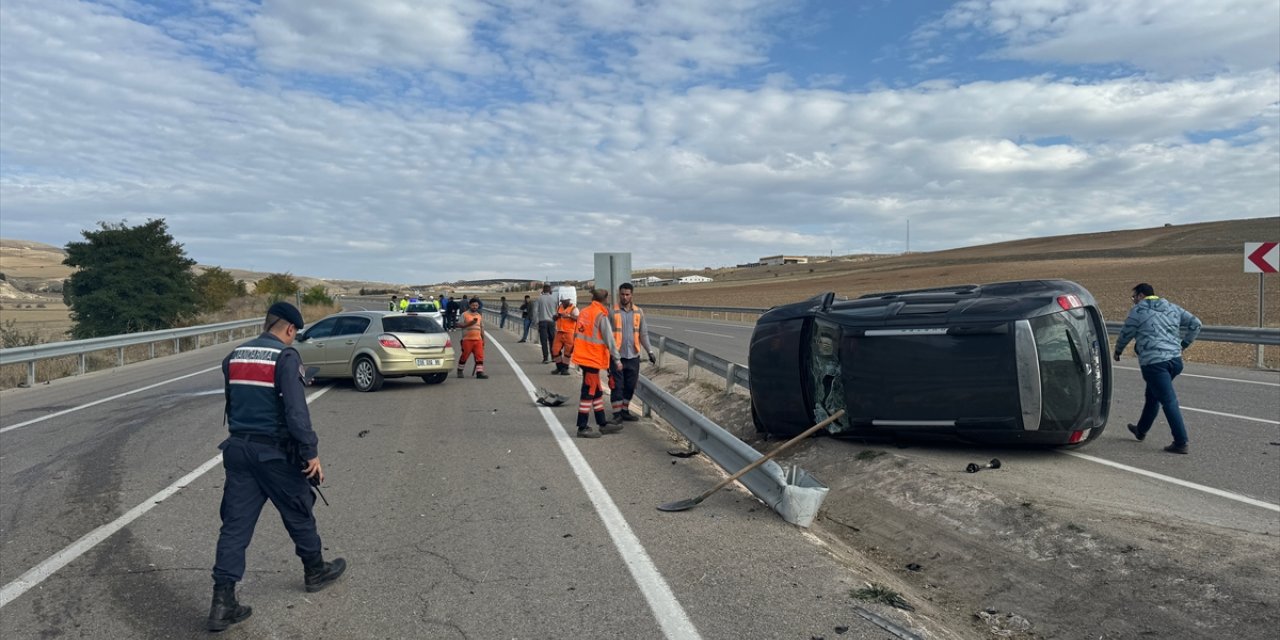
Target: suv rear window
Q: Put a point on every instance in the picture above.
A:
(411, 324)
(1068, 367)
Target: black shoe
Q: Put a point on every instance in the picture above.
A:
(1140, 435)
(482, 375)
(1177, 448)
(324, 574)
(225, 611)
(612, 427)
(564, 372)
(546, 361)
(627, 416)
(461, 373)
(521, 340)
(588, 432)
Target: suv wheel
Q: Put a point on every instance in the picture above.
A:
(365, 374)
(435, 378)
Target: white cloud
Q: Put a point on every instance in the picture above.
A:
(1168, 36)
(121, 120)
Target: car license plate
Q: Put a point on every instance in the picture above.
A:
(428, 362)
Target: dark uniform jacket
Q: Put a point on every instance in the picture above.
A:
(265, 394)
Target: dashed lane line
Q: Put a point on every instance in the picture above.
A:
(109, 399)
(51, 565)
(1182, 483)
(1198, 375)
(671, 617)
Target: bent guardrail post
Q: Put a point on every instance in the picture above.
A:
(795, 495)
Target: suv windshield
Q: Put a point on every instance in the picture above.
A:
(411, 324)
(421, 307)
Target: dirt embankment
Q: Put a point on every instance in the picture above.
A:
(989, 562)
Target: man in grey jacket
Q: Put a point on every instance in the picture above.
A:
(1161, 331)
(544, 309)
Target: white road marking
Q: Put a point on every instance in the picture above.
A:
(662, 601)
(1232, 415)
(1196, 375)
(660, 326)
(53, 563)
(1182, 483)
(98, 402)
(709, 333)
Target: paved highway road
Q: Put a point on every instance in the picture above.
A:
(1233, 416)
(464, 510)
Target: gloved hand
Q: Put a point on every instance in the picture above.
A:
(1116, 355)
(1185, 344)
(652, 358)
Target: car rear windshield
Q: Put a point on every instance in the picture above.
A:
(411, 324)
(969, 377)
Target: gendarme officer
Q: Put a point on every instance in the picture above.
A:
(271, 454)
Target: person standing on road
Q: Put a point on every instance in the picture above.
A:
(404, 303)
(451, 313)
(503, 310)
(630, 333)
(566, 324)
(544, 311)
(593, 350)
(472, 339)
(271, 454)
(394, 304)
(1161, 331)
(526, 309)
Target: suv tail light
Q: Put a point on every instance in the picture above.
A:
(1077, 436)
(389, 341)
(1070, 301)
(448, 344)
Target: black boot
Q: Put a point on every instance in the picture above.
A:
(322, 574)
(225, 611)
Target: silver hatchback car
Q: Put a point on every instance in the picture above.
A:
(370, 346)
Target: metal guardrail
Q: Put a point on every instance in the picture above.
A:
(33, 354)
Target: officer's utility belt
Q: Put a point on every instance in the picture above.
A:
(284, 444)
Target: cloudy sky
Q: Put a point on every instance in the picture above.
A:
(430, 140)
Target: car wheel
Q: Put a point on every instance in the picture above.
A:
(365, 374)
(435, 378)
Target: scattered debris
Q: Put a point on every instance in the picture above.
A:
(1004, 625)
(567, 535)
(549, 398)
(914, 567)
(974, 468)
(841, 629)
(683, 453)
(363, 433)
(882, 594)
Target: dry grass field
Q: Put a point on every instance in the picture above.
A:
(1198, 266)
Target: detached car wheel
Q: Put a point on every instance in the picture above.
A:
(435, 378)
(366, 375)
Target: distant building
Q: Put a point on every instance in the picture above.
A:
(693, 279)
(647, 281)
(777, 260)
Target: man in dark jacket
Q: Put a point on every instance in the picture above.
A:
(1162, 331)
(271, 455)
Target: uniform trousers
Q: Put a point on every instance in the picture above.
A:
(622, 384)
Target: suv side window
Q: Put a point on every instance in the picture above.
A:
(351, 325)
(322, 329)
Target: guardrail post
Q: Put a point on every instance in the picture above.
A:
(662, 348)
(177, 345)
(83, 364)
(728, 378)
(31, 374)
(692, 353)
(645, 409)
(153, 350)
(120, 356)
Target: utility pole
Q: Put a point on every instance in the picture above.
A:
(908, 235)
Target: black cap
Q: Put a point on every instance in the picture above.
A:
(286, 312)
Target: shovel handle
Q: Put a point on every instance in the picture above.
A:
(769, 456)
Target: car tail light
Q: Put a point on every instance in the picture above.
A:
(1070, 301)
(1077, 436)
(389, 341)
(448, 344)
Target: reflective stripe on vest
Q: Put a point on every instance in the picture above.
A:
(635, 327)
(589, 348)
(254, 405)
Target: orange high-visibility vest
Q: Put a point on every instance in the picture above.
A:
(475, 331)
(635, 327)
(589, 347)
(565, 322)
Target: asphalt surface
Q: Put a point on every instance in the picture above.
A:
(1232, 414)
(465, 511)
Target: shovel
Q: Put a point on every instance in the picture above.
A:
(684, 505)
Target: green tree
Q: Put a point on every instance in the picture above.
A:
(128, 279)
(317, 295)
(216, 288)
(277, 287)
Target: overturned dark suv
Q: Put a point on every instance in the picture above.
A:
(1005, 362)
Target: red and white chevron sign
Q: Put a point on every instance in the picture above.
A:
(1261, 257)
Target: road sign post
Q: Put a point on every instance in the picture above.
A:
(1261, 258)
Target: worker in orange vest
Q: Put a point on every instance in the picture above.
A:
(593, 350)
(566, 318)
(630, 334)
(472, 339)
